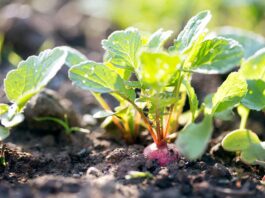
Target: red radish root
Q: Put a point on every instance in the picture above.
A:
(164, 154)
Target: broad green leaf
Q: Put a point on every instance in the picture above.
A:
(193, 100)
(230, 93)
(250, 41)
(157, 68)
(157, 39)
(32, 75)
(255, 97)
(74, 57)
(195, 26)
(223, 115)
(253, 153)
(3, 109)
(239, 140)
(122, 48)
(124, 73)
(192, 140)
(217, 55)
(99, 78)
(254, 67)
(4, 133)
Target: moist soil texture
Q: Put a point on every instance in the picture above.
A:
(43, 161)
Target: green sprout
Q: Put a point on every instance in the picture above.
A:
(64, 123)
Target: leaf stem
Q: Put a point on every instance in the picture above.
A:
(176, 91)
(105, 106)
(244, 118)
(145, 119)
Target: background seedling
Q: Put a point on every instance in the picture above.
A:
(244, 141)
(64, 123)
(27, 80)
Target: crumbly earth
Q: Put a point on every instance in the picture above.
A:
(95, 165)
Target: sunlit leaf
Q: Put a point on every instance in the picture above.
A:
(122, 48)
(217, 55)
(225, 115)
(74, 57)
(157, 39)
(99, 78)
(195, 26)
(157, 68)
(255, 97)
(32, 75)
(254, 67)
(192, 140)
(230, 93)
(239, 140)
(250, 41)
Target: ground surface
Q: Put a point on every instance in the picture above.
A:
(95, 165)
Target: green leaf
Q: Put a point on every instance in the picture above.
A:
(3, 109)
(217, 55)
(124, 73)
(157, 39)
(250, 41)
(239, 140)
(4, 133)
(99, 78)
(255, 97)
(230, 93)
(225, 115)
(253, 68)
(192, 140)
(194, 28)
(255, 152)
(74, 57)
(193, 100)
(32, 75)
(122, 48)
(157, 69)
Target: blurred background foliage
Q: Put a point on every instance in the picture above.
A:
(28, 26)
(172, 14)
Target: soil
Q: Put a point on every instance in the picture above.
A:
(42, 161)
(45, 162)
(94, 165)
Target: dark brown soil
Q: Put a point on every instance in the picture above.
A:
(93, 165)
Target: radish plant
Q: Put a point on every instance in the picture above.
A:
(152, 83)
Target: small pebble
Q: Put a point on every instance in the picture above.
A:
(89, 120)
(93, 171)
(181, 163)
(76, 175)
